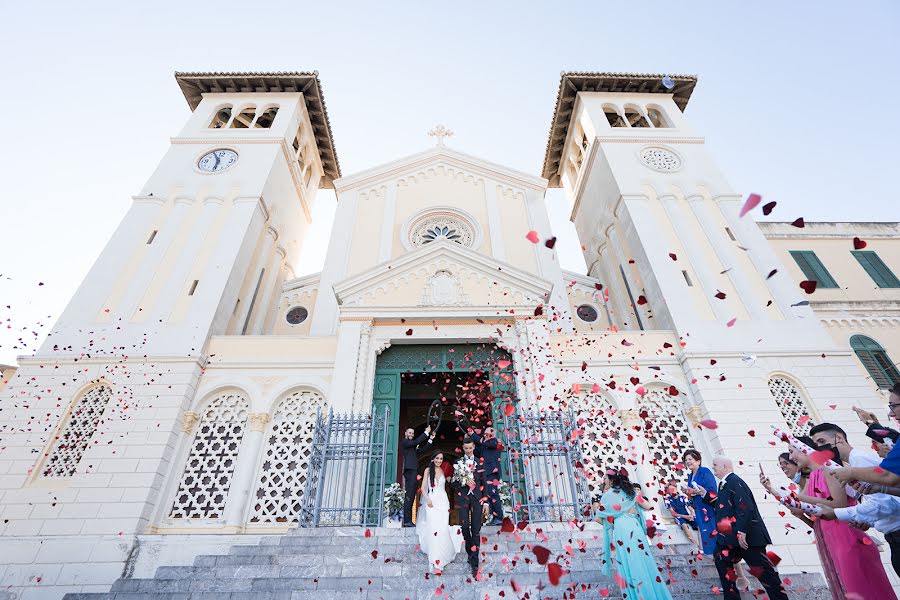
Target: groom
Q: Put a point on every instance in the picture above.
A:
(470, 502)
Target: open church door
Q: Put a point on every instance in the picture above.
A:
(386, 401)
(503, 385)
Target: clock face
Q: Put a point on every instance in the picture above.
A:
(217, 160)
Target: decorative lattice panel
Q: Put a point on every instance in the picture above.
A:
(437, 357)
(667, 433)
(77, 433)
(207, 475)
(282, 475)
(660, 159)
(602, 442)
(791, 404)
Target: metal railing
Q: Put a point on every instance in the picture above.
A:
(544, 463)
(345, 482)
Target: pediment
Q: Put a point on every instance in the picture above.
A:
(444, 275)
(417, 165)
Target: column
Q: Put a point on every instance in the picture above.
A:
(264, 294)
(364, 357)
(725, 249)
(341, 394)
(244, 471)
(695, 256)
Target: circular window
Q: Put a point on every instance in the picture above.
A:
(586, 313)
(660, 159)
(441, 223)
(297, 315)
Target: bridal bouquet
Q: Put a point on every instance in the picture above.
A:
(462, 474)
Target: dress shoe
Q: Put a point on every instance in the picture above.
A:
(496, 522)
(408, 524)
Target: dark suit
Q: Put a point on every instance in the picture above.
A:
(489, 451)
(469, 503)
(736, 512)
(410, 471)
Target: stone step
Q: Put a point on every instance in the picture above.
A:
(339, 564)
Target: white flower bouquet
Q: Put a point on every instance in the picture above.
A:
(462, 474)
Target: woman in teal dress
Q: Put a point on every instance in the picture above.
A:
(625, 536)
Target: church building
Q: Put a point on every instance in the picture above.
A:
(196, 394)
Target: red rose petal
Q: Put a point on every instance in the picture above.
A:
(709, 424)
(542, 554)
(809, 285)
(859, 244)
(752, 201)
(554, 572)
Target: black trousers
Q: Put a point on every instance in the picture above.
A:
(893, 540)
(755, 556)
(470, 521)
(492, 491)
(409, 483)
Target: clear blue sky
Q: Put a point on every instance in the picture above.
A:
(797, 102)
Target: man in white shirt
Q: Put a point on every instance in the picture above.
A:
(880, 511)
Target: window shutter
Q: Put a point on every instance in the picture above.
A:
(875, 267)
(875, 360)
(813, 268)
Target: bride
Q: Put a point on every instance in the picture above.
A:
(437, 538)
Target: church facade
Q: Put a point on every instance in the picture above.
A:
(190, 395)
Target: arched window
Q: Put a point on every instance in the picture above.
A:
(613, 117)
(657, 117)
(881, 368)
(282, 474)
(602, 442)
(210, 465)
(635, 118)
(266, 118)
(77, 432)
(667, 433)
(791, 404)
(244, 118)
(221, 118)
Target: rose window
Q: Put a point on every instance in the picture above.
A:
(441, 226)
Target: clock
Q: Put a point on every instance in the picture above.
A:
(217, 160)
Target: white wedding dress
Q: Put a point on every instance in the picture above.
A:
(437, 538)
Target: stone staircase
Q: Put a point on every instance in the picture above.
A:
(348, 564)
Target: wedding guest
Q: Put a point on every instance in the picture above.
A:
(626, 538)
(791, 470)
(411, 451)
(849, 557)
(741, 533)
(682, 512)
(704, 515)
(887, 473)
(488, 449)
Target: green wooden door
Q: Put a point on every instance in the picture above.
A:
(504, 391)
(387, 396)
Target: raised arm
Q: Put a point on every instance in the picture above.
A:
(876, 475)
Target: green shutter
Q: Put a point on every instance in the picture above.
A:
(876, 361)
(813, 268)
(875, 267)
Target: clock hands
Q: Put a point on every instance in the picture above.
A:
(216, 156)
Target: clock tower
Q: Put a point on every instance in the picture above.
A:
(202, 251)
(215, 230)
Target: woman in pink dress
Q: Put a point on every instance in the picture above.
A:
(849, 558)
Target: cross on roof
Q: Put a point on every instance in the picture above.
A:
(440, 132)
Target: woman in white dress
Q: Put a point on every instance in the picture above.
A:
(437, 538)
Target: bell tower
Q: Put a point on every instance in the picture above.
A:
(661, 229)
(202, 251)
(214, 231)
(658, 222)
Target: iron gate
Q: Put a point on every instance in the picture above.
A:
(345, 481)
(545, 454)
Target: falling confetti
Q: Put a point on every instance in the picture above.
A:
(752, 201)
(533, 237)
(768, 207)
(798, 223)
(809, 285)
(859, 244)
